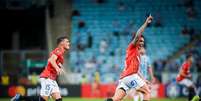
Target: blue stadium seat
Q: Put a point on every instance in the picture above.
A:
(161, 41)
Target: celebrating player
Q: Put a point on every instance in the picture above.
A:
(130, 78)
(184, 77)
(49, 86)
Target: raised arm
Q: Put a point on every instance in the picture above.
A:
(142, 28)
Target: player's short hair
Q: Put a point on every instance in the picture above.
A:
(61, 38)
(189, 55)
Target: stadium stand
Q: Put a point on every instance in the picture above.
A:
(115, 21)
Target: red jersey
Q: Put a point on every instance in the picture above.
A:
(186, 68)
(49, 71)
(132, 60)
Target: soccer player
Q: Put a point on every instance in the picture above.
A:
(145, 65)
(130, 78)
(184, 77)
(49, 86)
(146, 70)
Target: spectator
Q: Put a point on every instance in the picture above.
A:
(172, 66)
(33, 79)
(191, 33)
(93, 59)
(96, 85)
(103, 46)
(90, 66)
(121, 6)
(158, 65)
(191, 13)
(81, 24)
(116, 34)
(5, 79)
(158, 20)
(78, 65)
(75, 13)
(95, 89)
(185, 30)
(80, 46)
(84, 79)
(90, 40)
(97, 77)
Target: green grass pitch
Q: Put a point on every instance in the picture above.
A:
(79, 99)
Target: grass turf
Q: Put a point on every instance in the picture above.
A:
(79, 99)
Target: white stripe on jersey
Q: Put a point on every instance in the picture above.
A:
(144, 65)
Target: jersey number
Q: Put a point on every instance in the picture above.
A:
(47, 87)
(133, 83)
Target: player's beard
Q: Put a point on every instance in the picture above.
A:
(67, 48)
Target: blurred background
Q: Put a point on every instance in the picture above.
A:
(99, 32)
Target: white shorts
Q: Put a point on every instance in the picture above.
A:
(131, 81)
(48, 86)
(186, 82)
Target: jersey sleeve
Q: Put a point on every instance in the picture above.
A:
(57, 52)
(131, 46)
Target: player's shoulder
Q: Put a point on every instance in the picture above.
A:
(131, 46)
(185, 63)
(56, 51)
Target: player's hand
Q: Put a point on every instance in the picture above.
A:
(58, 71)
(149, 19)
(147, 81)
(60, 65)
(153, 80)
(62, 71)
(189, 76)
(148, 84)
